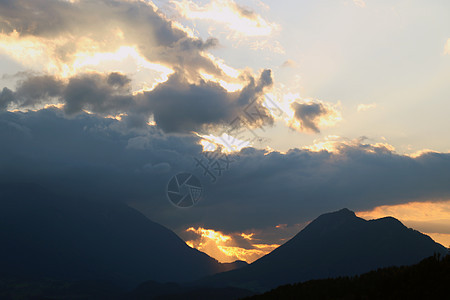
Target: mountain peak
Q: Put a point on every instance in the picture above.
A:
(345, 212)
(335, 219)
(335, 244)
(342, 213)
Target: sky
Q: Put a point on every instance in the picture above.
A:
(282, 110)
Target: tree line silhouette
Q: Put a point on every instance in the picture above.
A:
(429, 279)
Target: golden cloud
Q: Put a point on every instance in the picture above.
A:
(447, 47)
(226, 247)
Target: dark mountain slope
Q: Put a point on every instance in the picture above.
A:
(43, 236)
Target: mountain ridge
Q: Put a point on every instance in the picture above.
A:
(76, 239)
(44, 236)
(334, 244)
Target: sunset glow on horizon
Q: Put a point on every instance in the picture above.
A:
(430, 218)
(226, 248)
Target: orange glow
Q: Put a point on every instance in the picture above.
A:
(247, 236)
(330, 143)
(225, 248)
(281, 226)
(441, 238)
(248, 255)
(421, 152)
(431, 218)
(57, 105)
(117, 117)
(210, 234)
(417, 211)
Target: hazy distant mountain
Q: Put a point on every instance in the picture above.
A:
(334, 244)
(43, 236)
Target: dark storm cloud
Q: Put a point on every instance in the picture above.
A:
(37, 90)
(97, 93)
(91, 157)
(309, 114)
(6, 98)
(110, 24)
(176, 105)
(117, 79)
(294, 187)
(179, 106)
(87, 156)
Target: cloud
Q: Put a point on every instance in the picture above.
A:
(239, 20)
(227, 247)
(92, 157)
(70, 35)
(66, 30)
(179, 106)
(97, 93)
(353, 175)
(67, 150)
(247, 246)
(414, 211)
(6, 98)
(366, 107)
(175, 105)
(359, 3)
(31, 91)
(289, 64)
(447, 47)
(309, 116)
(37, 90)
(83, 150)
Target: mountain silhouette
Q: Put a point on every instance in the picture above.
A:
(44, 236)
(335, 244)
